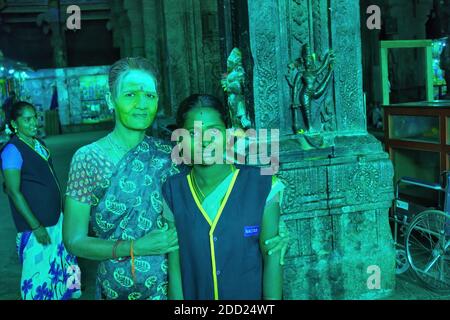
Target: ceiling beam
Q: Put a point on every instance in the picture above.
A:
(17, 19)
(15, 9)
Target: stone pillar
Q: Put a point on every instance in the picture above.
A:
(134, 12)
(189, 48)
(153, 30)
(124, 26)
(52, 21)
(113, 23)
(337, 198)
(211, 48)
(121, 27)
(183, 35)
(155, 48)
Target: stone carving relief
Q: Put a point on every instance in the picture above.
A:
(365, 178)
(309, 80)
(266, 84)
(233, 84)
(308, 23)
(348, 74)
(301, 184)
(299, 24)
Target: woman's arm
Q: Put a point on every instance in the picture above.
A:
(175, 283)
(77, 241)
(281, 241)
(272, 271)
(12, 182)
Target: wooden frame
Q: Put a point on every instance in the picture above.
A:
(403, 44)
(420, 109)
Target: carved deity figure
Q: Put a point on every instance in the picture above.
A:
(304, 78)
(232, 84)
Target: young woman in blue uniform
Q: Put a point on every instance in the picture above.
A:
(223, 214)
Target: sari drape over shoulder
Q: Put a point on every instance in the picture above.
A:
(127, 205)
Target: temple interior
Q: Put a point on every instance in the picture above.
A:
(356, 97)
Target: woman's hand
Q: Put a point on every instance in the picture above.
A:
(280, 242)
(42, 236)
(157, 242)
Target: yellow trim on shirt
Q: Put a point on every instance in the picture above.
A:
(213, 225)
(197, 201)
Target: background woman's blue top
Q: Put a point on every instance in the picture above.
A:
(38, 184)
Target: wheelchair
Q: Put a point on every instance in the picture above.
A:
(422, 235)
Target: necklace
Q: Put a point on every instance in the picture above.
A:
(118, 149)
(37, 147)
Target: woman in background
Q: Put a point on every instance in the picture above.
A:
(49, 272)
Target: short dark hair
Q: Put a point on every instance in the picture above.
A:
(201, 101)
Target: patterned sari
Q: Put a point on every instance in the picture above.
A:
(48, 272)
(128, 206)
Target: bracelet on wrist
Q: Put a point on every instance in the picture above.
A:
(34, 229)
(114, 254)
(133, 268)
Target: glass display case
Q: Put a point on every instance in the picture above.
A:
(440, 88)
(414, 128)
(92, 99)
(417, 139)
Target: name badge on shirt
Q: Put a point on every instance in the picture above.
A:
(250, 231)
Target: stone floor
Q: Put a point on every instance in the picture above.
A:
(62, 148)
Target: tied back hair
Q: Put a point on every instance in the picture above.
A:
(123, 66)
(15, 112)
(201, 101)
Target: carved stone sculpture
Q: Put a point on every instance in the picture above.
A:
(304, 79)
(233, 84)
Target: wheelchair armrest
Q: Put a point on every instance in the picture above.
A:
(420, 183)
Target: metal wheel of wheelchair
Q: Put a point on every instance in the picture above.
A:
(401, 261)
(427, 248)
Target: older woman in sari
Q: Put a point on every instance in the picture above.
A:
(116, 183)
